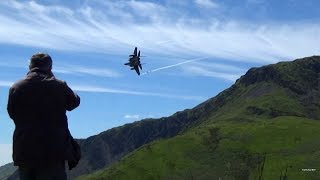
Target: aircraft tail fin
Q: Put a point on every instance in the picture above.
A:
(135, 51)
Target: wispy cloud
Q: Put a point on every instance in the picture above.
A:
(137, 116)
(207, 3)
(6, 83)
(100, 30)
(71, 69)
(201, 67)
(96, 89)
(201, 71)
(80, 70)
(6, 154)
(132, 116)
(220, 67)
(214, 70)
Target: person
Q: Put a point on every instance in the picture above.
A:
(37, 104)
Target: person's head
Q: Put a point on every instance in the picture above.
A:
(42, 61)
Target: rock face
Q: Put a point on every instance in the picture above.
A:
(255, 75)
(300, 76)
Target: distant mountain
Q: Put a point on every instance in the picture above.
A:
(265, 126)
(6, 171)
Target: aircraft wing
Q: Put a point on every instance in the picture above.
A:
(137, 69)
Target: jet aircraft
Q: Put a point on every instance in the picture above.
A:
(134, 61)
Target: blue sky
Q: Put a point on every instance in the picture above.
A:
(194, 49)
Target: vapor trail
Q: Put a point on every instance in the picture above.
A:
(170, 66)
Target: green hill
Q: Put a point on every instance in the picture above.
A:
(264, 126)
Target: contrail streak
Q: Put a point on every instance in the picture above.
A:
(170, 66)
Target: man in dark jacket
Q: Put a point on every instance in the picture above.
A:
(37, 104)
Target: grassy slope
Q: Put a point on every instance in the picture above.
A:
(257, 122)
(286, 140)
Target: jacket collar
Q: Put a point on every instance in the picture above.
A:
(38, 71)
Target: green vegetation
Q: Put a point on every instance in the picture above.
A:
(230, 150)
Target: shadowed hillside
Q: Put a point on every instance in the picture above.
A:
(6, 171)
(110, 146)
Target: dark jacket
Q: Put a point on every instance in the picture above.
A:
(38, 105)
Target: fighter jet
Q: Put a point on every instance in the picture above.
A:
(134, 61)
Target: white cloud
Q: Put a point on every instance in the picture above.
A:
(99, 30)
(206, 3)
(96, 89)
(132, 116)
(137, 116)
(219, 67)
(71, 69)
(147, 9)
(6, 83)
(201, 71)
(5, 154)
(76, 70)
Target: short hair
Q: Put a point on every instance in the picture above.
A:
(41, 60)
